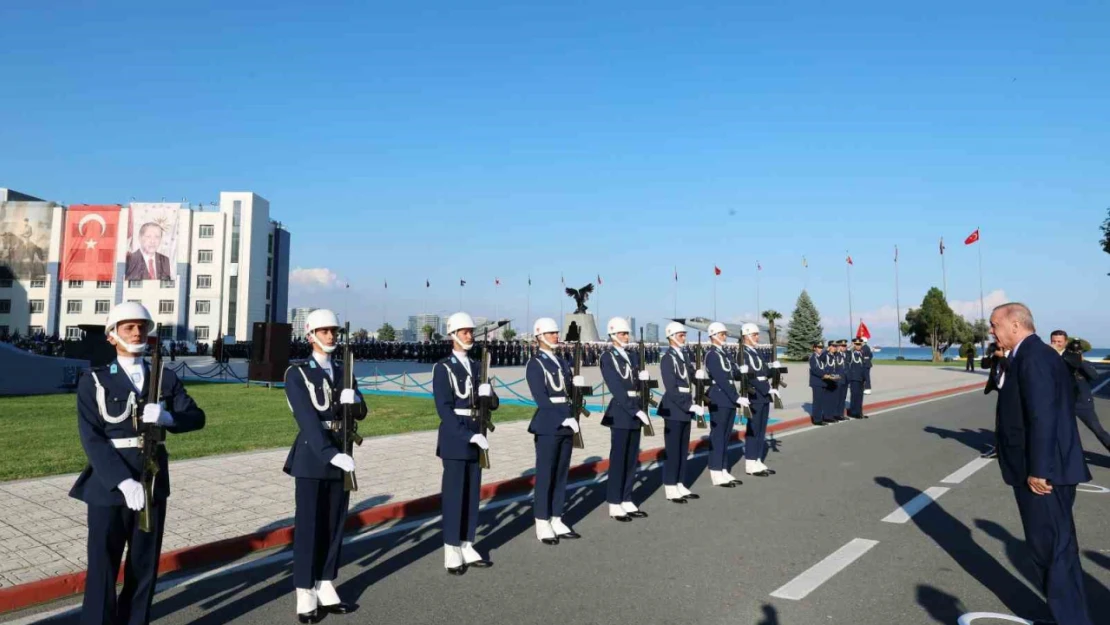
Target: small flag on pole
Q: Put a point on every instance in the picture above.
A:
(562, 279)
(758, 267)
(895, 253)
(676, 274)
(529, 280)
(462, 282)
(942, 246)
(497, 282)
(863, 332)
(850, 260)
(972, 238)
(386, 284)
(427, 283)
(805, 263)
(716, 270)
(599, 279)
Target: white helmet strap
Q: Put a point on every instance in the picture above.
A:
(132, 348)
(616, 339)
(545, 342)
(465, 346)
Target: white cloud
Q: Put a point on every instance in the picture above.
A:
(970, 309)
(313, 279)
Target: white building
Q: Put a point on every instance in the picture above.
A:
(230, 269)
(298, 317)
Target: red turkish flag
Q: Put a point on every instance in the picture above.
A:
(90, 242)
(863, 332)
(850, 261)
(716, 270)
(972, 238)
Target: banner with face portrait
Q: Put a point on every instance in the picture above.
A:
(24, 239)
(90, 242)
(152, 237)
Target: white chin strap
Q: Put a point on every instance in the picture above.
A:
(327, 349)
(544, 341)
(131, 348)
(618, 341)
(465, 346)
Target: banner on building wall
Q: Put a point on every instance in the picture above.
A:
(24, 239)
(152, 241)
(90, 242)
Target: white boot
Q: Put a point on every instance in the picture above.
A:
(717, 478)
(615, 510)
(544, 531)
(452, 557)
(671, 492)
(469, 554)
(682, 490)
(306, 600)
(325, 593)
(867, 392)
(751, 467)
(728, 476)
(628, 507)
(762, 466)
(560, 528)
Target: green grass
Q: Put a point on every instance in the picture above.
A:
(40, 432)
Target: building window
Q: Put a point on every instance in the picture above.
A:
(73, 333)
(5, 284)
(270, 245)
(102, 306)
(38, 283)
(267, 312)
(5, 306)
(165, 333)
(134, 284)
(76, 284)
(206, 231)
(37, 306)
(267, 290)
(165, 307)
(269, 270)
(73, 306)
(166, 284)
(35, 330)
(204, 256)
(202, 333)
(204, 282)
(135, 301)
(204, 307)
(103, 284)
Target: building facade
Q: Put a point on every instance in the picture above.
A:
(651, 332)
(298, 317)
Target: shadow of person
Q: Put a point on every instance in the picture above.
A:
(976, 439)
(1099, 460)
(943, 607)
(1100, 559)
(956, 540)
(770, 615)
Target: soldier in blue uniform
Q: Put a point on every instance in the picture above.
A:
(314, 391)
(759, 399)
(818, 384)
(553, 426)
(723, 400)
(457, 394)
(624, 419)
(108, 414)
(676, 408)
(856, 377)
(834, 406)
(868, 356)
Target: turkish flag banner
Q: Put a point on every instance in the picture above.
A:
(863, 332)
(716, 270)
(971, 238)
(90, 239)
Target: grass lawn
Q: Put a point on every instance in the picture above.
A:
(40, 432)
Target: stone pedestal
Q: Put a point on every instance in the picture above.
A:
(586, 326)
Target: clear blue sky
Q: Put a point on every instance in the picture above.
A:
(413, 141)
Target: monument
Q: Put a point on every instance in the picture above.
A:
(583, 322)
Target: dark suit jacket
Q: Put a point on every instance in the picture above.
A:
(1035, 418)
(136, 268)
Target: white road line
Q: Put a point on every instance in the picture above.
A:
(967, 471)
(1099, 387)
(799, 587)
(915, 505)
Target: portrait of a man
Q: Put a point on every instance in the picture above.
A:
(146, 263)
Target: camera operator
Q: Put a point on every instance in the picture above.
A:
(1083, 373)
(994, 361)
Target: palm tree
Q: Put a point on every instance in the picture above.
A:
(428, 331)
(771, 316)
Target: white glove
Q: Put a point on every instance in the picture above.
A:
(775, 393)
(480, 441)
(156, 414)
(743, 369)
(743, 401)
(485, 390)
(133, 494)
(347, 396)
(579, 381)
(572, 424)
(698, 410)
(700, 374)
(343, 461)
(644, 377)
(776, 365)
(642, 416)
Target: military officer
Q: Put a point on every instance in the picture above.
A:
(624, 419)
(833, 412)
(314, 391)
(842, 371)
(552, 426)
(856, 377)
(110, 406)
(723, 400)
(676, 408)
(817, 384)
(868, 356)
(457, 393)
(759, 397)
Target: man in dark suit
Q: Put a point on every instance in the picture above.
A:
(1041, 458)
(146, 263)
(1084, 374)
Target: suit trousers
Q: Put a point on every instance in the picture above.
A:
(755, 438)
(318, 531)
(676, 440)
(624, 453)
(817, 408)
(552, 465)
(855, 407)
(720, 432)
(462, 488)
(1085, 410)
(111, 528)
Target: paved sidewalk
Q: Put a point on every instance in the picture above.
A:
(43, 531)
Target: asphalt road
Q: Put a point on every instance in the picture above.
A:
(721, 559)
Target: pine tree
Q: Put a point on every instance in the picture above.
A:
(805, 329)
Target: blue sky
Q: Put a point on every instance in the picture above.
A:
(436, 141)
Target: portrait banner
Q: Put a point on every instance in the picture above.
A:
(24, 239)
(152, 236)
(90, 242)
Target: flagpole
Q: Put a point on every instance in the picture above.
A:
(943, 271)
(982, 310)
(897, 304)
(675, 293)
(496, 302)
(563, 280)
(460, 294)
(714, 293)
(848, 269)
(528, 300)
(757, 309)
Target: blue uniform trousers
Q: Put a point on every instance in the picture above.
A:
(755, 439)
(319, 518)
(552, 464)
(676, 440)
(720, 431)
(1050, 535)
(817, 408)
(462, 487)
(855, 407)
(841, 397)
(624, 453)
(111, 528)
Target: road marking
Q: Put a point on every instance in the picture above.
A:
(970, 617)
(915, 505)
(1099, 387)
(967, 471)
(1092, 488)
(799, 587)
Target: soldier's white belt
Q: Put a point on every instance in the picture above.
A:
(684, 389)
(128, 443)
(633, 393)
(761, 378)
(464, 412)
(558, 400)
(331, 425)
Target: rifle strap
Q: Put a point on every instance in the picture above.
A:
(102, 406)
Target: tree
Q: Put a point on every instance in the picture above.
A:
(387, 333)
(427, 332)
(509, 334)
(935, 325)
(771, 316)
(805, 328)
(360, 334)
(1106, 234)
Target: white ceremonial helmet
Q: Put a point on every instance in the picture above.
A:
(618, 324)
(128, 311)
(544, 325)
(459, 321)
(716, 328)
(674, 328)
(317, 320)
(749, 328)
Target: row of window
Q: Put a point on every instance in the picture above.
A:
(74, 333)
(203, 282)
(101, 306)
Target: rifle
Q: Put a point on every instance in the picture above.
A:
(701, 387)
(578, 396)
(348, 431)
(745, 383)
(776, 379)
(150, 435)
(483, 403)
(647, 402)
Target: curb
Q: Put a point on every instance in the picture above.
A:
(49, 589)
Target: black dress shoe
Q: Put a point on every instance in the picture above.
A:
(639, 514)
(570, 536)
(864, 416)
(308, 617)
(761, 474)
(692, 496)
(550, 541)
(458, 570)
(480, 564)
(820, 424)
(678, 500)
(623, 519)
(771, 471)
(338, 608)
(727, 485)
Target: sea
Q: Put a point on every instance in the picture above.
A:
(913, 352)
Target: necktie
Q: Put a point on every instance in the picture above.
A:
(150, 268)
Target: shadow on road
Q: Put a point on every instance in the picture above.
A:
(978, 440)
(1100, 559)
(1099, 460)
(943, 607)
(770, 615)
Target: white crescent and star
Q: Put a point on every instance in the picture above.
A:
(91, 243)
